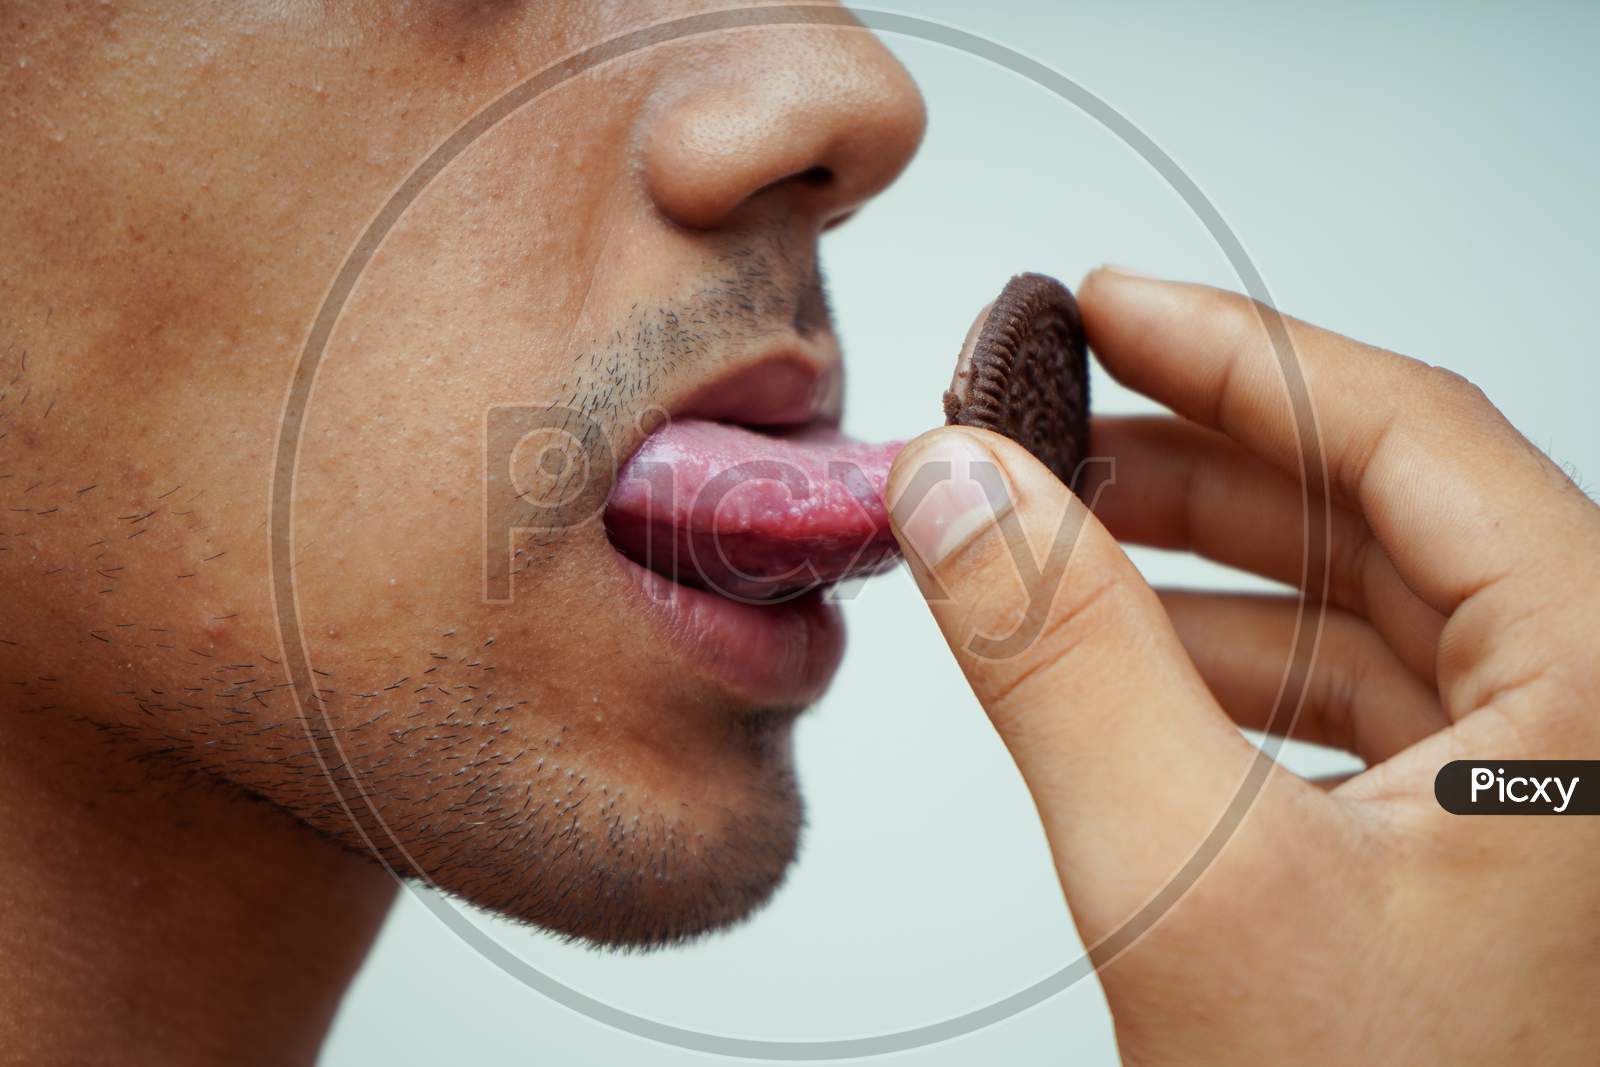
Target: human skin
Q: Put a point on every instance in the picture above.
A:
(181, 184)
(1348, 922)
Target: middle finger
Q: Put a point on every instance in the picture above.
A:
(1180, 486)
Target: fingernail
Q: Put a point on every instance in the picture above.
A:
(1127, 272)
(943, 496)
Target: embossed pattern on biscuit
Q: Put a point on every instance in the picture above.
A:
(1024, 372)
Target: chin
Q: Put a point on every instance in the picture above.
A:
(628, 863)
(678, 894)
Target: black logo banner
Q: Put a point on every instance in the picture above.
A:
(1519, 787)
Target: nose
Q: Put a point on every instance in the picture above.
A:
(821, 118)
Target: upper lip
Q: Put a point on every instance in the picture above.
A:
(778, 388)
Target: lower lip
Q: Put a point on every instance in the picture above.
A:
(769, 655)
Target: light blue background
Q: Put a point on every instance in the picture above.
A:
(1418, 176)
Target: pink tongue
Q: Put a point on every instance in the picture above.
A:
(754, 516)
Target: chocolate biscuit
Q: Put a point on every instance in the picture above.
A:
(1024, 372)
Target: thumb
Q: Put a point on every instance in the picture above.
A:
(1129, 759)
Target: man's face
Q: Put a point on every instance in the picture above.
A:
(590, 748)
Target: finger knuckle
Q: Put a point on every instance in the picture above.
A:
(1247, 346)
(1348, 567)
(1046, 644)
(1454, 391)
(1337, 696)
(1235, 310)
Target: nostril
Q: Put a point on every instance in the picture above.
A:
(816, 177)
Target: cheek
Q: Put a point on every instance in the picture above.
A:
(134, 555)
(389, 515)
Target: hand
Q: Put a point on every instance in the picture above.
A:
(1358, 923)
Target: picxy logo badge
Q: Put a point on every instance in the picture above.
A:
(1519, 787)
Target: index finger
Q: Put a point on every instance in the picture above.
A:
(1453, 493)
